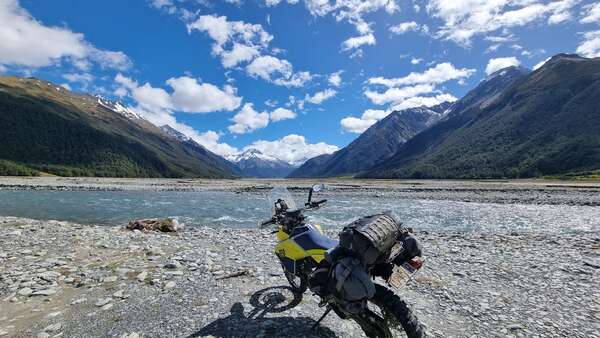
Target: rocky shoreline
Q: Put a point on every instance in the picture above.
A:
(61, 279)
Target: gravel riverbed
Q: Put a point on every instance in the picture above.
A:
(60, 279)
(534, 191)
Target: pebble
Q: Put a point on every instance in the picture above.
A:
(142, 276)
(53, 327)
(170, 285)
(593, 264)
(53, 314)
(25, 292)
(46, 292)
(514, 327)
(174, 273)
(120, 294)
(130, 335)
(172, 265)
(110, 279)
(103, 301)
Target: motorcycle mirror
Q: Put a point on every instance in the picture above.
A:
(314, 188)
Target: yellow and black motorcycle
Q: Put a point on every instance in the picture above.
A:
(341, 272)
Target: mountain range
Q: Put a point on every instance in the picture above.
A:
(48, 129)
(376, 144)
(516, 123)
(253, 163)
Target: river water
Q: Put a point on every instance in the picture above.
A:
(235, 210)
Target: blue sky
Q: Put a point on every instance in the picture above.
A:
(292, 78)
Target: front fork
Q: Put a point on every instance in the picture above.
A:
(289, 265)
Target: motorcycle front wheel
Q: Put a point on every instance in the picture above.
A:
(389, 314)
(297, 283)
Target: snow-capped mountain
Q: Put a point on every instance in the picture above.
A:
(174, 133)
(118, 107)
(253, 163)
(376, 144)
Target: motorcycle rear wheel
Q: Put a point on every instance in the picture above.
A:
(395, 311)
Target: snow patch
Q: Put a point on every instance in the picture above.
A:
(252, 154)
(118, 108)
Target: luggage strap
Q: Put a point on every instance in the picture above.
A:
(345, 274)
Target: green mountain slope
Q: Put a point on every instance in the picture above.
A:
(312, 167)
(543, 123)
(47, 128)
(376, 144)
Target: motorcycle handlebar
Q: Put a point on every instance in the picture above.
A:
(321, 202)
(271, 221)
(265, 223)
(315, 204)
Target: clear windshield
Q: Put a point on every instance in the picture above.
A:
(279, 192)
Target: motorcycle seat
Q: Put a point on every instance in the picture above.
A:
(309, 238)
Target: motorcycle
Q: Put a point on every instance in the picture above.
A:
(347, 274)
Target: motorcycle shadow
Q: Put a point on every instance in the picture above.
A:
(266, 301)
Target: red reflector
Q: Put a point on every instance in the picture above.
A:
(416, 263)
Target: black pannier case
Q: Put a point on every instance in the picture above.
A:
(370, 237)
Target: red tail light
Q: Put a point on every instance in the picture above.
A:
(416, 263)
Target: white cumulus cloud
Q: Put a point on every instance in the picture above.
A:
(417, 88)
(248, 120)
(238, 43)
(440, 73)
(358, 41)
(398, 94)
(27, 42)
(192, 97)
(321, 96)
(416, 61)
(353, 12)
(590, 47)
(405, 27)
(359, 125)
(281, 114)
(335, 79)
(210, 139)
(427, 101)
(465, 19)
(591, 13)
(234, 41)
(278, 71)
(187, 95)
(78, 77)
(496, 64)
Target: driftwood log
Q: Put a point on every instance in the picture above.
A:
(164, 225)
